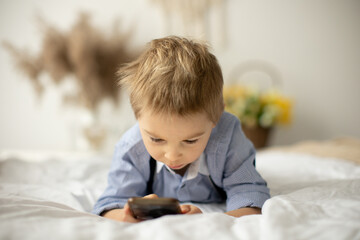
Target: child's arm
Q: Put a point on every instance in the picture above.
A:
(245, 189)
(244, 211)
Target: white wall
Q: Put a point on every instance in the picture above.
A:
(315, 45)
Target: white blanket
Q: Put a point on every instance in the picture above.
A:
(312, 198)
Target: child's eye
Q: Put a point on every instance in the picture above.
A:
(191, 141)
(157, 140)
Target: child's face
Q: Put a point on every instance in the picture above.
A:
(176, 141)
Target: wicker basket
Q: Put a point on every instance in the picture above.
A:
(259, 136)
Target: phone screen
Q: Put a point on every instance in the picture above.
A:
(148, 208)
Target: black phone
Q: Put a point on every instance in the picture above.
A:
(150, 208)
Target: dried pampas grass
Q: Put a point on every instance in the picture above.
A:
(84, 52)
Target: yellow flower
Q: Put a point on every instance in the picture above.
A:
(253, 107)
(284, 105)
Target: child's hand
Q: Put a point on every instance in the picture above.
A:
(190, 209)
(122, 215)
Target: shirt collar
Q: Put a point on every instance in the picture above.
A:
(199, 166)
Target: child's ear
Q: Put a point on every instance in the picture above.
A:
(214, 124)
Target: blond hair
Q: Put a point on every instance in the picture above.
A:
(175, 76)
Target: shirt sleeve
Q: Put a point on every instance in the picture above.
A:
(243, 184)
(126, 179)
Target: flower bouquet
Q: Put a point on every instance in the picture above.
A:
(258, 111)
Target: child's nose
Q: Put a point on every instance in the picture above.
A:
(172, 154)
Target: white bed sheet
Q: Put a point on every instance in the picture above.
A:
(312, 198)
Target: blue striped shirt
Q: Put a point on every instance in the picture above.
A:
(227, 163)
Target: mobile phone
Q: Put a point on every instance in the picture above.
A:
(150, 208)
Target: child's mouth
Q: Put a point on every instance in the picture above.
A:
(176, 167)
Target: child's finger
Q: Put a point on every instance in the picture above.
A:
(151, 196)
(127, 209)
(185, 209)
(129, 216)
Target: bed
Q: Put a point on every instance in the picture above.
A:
(315, 189)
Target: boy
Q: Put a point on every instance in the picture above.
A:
(201, 153)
